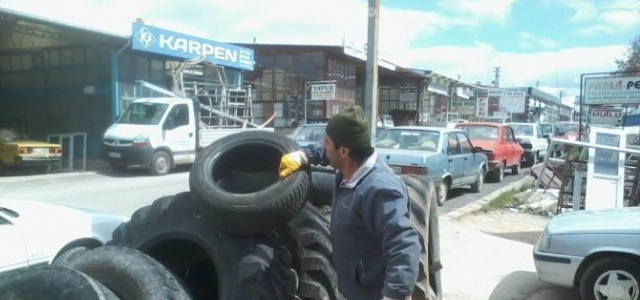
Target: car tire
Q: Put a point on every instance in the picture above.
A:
(476, 187)
(160, 163)
(308, 239)
(424, 216)
(497, 175)
(52, 283)
(323, 183)
(68, 255)
(599, 271)
(175, 231)
(130, 274)
(244, 210)
(515, 169)
(443, 192)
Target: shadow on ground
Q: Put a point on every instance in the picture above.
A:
(139, 172)
(529, 237)
(524, 285)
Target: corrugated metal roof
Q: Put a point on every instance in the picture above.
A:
(30, 18)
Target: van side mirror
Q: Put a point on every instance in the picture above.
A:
(546, 136)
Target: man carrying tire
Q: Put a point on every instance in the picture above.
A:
(376, 249)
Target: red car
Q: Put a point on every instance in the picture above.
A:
(498, 142)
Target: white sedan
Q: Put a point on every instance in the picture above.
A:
(36, 233)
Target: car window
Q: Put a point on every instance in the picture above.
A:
(453, 146)
(465, 143)
(512, 138)
(309, 134)
(3, 221)
(526, 130)
(539, 132)
(408, 139)
(480, 132)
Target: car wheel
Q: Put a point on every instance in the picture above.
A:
(160, 163)
(498, 174)
(443, 192)
(611, 278)
(52, 282)
(477, 186)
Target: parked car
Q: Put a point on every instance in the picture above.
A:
(314, 133)
(445, 155)
(17, 150)
(594, 251)
(36, 233)
(532, 140)
(499, 144)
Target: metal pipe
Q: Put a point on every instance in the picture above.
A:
(581, 100)
(371, 85)
(115, 90)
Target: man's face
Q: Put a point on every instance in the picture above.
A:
(335, 156)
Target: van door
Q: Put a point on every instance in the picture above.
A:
(179, 134)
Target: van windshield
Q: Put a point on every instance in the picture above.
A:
(143, 113)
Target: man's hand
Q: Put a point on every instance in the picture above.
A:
(292, 162)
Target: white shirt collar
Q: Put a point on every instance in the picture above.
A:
(361, 172)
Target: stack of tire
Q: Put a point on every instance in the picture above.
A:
(241, 232)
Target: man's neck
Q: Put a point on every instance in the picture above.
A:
(349, 169)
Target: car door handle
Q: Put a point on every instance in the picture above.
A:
(450, 160)
(465, 159)
(190, 134)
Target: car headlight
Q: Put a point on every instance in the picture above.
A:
(544, 242)
(141, 138)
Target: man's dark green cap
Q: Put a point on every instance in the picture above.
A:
(349, 128)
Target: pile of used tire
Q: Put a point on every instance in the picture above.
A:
(241, 232)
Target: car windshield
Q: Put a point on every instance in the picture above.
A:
(143, 113)
(9, 135)
(479, 132)
(546, 129)
(409, 139)
(309, 134)
(522, 129)
(566, 127)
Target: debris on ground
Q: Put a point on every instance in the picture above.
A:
(518, 226)
(539, 202)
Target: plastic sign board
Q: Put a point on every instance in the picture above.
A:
(611, 116)
(164, 42)
(323, 91)
(611, 90)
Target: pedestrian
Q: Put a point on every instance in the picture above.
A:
(376, 249)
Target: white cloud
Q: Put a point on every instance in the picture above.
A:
(585, 10)
(528, 41)
(607, 17)
(307, 22)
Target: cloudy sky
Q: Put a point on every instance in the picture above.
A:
(551, 41)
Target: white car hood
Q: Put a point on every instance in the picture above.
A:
(47, 227)
(604, 221)
(128, 131)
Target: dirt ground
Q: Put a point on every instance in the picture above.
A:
(517, 226)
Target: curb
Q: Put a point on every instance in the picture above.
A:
(45, 177)
(478, 204)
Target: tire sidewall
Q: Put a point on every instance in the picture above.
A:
(599, 267)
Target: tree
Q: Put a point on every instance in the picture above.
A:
(631, 60)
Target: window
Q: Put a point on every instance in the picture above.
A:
(506, 134)
(453, 146)
(179, 115)
(3, 221)
(465, 143)
(526, 130)
(420, 140)
(539, 132)
(309, 134)
(488, 133)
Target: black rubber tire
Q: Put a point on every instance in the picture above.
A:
(445, 187)
(153, 168)
(424, 216)
(52, 283)
(322, 186)
(476, 187)
(308, 239)
(64, 258)
(175, 231)
(246, 211)
(130, 274)
(602, 266)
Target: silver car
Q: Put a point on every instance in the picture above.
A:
(596, 251)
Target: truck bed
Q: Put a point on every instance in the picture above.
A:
(208, 136)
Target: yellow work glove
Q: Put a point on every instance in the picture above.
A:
(292, 162)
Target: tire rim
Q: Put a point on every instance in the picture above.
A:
(616, 285)
(161, 164)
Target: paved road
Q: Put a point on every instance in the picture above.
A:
(125, 192)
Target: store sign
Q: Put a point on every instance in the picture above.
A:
(164, 42)
(351, 49)
(611, 116)
(466, 107)
(409, 94)
(511, 100)
(323, 91)
(612, 90)
(482, 110)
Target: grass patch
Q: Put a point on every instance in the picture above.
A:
(505, 199)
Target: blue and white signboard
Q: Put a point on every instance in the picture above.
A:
(160, 41)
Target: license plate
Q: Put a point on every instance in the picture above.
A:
(40, 150)
(115, 154)
(396, 170)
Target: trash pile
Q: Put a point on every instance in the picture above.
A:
(540, 201)
(240, 232)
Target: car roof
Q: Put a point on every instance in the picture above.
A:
(521, 123)
(482, 124)
(427, 128)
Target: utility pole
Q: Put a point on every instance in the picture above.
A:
(496, 79)
(371, 85)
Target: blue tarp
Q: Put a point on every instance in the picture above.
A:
(631, 120)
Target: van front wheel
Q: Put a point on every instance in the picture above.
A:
(160, 163)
